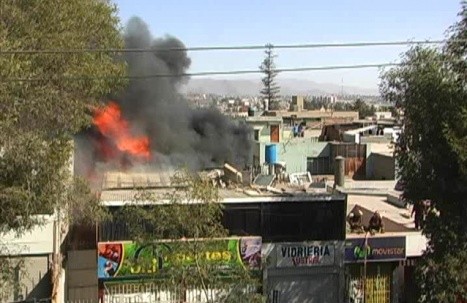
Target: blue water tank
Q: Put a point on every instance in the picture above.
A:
(271, 154)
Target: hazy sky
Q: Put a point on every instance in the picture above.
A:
(247, 22)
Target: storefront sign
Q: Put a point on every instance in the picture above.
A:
(376, 250)
(305, 254)
(128, 259)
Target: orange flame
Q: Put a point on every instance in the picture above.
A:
(110, 122)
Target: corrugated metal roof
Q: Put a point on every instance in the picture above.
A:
(121, 180)
(130, 195)
(122, 187)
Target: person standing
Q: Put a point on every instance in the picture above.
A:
(295, 130)
(419, 210)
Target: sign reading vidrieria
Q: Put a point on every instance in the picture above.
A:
(305, 254)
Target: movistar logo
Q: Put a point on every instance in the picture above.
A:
(360, 252)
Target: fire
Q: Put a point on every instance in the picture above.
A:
(111, 124)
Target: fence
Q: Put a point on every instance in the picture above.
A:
(47, 300)
(153, 293)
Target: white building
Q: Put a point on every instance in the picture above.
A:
(34, 252)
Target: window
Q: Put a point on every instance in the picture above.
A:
(242, 219)
(273, 221)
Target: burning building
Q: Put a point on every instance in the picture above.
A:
(152, 122)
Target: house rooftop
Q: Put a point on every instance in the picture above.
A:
(382, 148)
(397, 222)
(130, 180)
(259, 119)
(361, 129)
(313, 114)
(121, 188)
(372, 203)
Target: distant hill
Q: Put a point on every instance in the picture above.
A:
(252, 87)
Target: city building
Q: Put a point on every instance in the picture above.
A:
(302, 235)
(266, 129)
(297, 103)
(314, 118)
(380, 266)
(33, 256)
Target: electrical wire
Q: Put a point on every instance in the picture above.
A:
(225, 48)
(197, 74)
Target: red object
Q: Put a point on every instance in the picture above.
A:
(112, 125)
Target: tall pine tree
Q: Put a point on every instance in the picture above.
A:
(270, 91)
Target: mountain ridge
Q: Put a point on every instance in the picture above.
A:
(241, 87)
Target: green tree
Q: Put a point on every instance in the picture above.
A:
(190, 216)
(41, 107)
(342, 106)
(270, 91)
(430, 87)
(364, 110)
(392, 109)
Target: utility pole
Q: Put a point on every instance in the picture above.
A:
(365, 250)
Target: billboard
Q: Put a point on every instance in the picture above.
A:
(135, 260)
(305, 254)
(379, 249)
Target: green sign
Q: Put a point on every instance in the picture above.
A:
(129, 259)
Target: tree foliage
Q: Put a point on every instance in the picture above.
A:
(270, 91)
(39, 118)
(41, 110)
(430, 87)
(364, 110)
(191, 217)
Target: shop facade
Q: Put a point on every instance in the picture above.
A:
(304, 272)
(286, 225)
(372, 266)
(132, 272)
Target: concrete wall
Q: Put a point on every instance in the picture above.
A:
(382, 167)
(295, 152)
(81, 275)
(265, 131)
(351, 138)
(415, 244)
(32, 279)
(375, 139)
(37, 241)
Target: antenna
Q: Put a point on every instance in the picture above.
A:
(342, 86)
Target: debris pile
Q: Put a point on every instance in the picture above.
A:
(231, 178)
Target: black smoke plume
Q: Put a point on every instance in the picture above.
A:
(154, 107)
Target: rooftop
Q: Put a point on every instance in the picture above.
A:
(382, 148)
(313, 113)
(130, 180)
(397, 218)
(263, 119)
(361, 129)
(120, 188)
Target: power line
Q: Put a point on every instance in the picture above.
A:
(196, 74)
(223, 48)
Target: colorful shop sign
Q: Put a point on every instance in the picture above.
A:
(305, 254)
(378, 249)
(132, 260)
